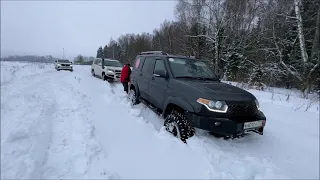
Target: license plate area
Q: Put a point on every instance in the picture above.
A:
(252, 125)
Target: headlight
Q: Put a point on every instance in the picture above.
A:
(257, 104)
(110, 71)
(59, 64)
(214, 105)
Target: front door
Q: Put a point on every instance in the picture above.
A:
(158, 85)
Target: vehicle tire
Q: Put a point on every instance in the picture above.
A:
(132, 97)
(92, 72)
(104, 77)
(177, 124)
(71, 70)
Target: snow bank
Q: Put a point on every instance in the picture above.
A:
(74, 151)
(45, 132)
(25, 129)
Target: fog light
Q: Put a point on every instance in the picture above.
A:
(217, 123)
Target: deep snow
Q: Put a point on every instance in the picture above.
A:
(71, 125)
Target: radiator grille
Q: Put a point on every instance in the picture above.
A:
(241, 108)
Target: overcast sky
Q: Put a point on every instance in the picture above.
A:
(80, 27)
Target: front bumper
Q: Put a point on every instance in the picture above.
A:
(226, 126)
(65, 67)
(114, 77)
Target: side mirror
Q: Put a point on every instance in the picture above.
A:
(160, 73)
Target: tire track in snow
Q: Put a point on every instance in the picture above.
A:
(25, 130)
(74, 146)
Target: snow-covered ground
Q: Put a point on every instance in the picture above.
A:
(70, 125)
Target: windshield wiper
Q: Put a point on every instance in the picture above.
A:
(210, 78)
(189, 77)
(198, 78)
(192, 77)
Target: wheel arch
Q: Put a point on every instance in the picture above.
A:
(178, 103)
(135, 87)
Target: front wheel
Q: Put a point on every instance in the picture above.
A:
(104, 77)
(177, 124)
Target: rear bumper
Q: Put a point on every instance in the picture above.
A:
(225, 126)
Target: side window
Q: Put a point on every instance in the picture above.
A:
(146, 65)
(159, 65)
(99, 62)
(137, 63)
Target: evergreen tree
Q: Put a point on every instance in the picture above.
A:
(100, 53)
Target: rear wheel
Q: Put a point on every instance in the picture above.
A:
(176, 123)
(92, 72)
(132, 97)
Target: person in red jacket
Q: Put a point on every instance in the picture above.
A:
(125, 77)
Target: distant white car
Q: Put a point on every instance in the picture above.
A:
(63, 65)
(110, 72)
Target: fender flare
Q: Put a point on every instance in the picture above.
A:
(178, 102)
(136, 88)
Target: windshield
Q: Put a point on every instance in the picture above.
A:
(64, 61)
(183, 67)
(112, 63)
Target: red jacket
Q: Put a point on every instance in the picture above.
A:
(125, 74)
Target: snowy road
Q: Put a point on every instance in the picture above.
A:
(71, 125)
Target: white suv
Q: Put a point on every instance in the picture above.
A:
(63, 65)
(110, 72)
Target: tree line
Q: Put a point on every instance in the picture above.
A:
(31, 58)
(261, 42)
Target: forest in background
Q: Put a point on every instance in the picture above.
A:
(260, 42)
(30, 58)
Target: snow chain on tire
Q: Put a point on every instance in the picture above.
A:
(177, 124)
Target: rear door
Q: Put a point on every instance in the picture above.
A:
(145, 76)
(158, 85)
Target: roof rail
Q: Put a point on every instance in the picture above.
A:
(153, 52)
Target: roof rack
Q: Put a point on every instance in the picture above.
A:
(153, 52)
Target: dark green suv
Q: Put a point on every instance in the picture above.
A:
(188, 94)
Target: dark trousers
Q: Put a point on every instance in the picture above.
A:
(125, 86)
